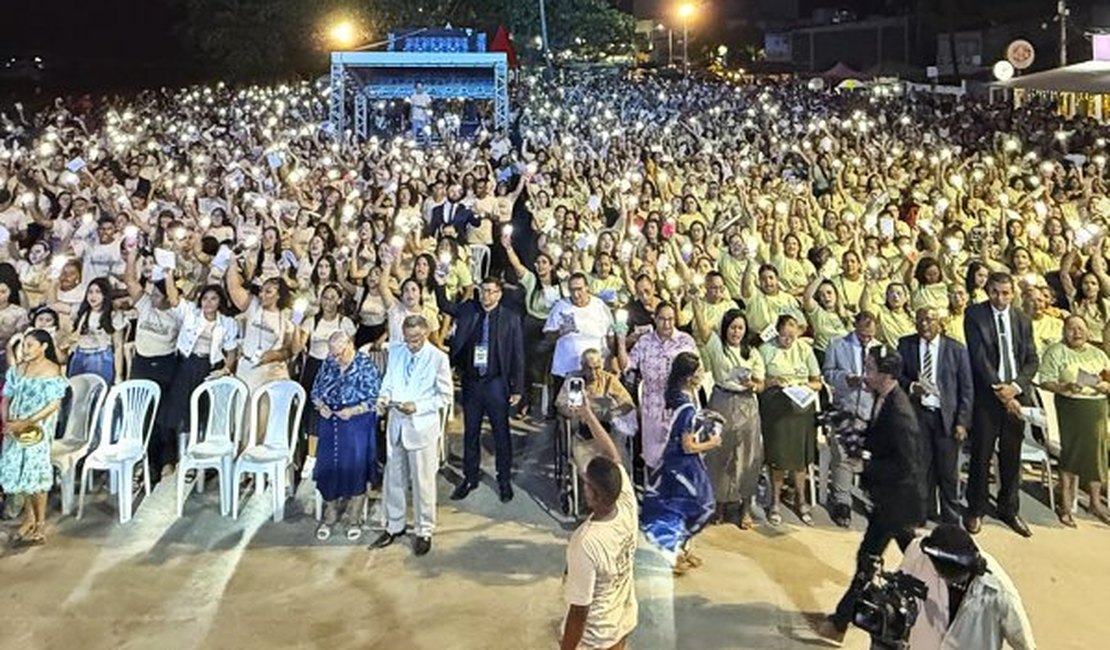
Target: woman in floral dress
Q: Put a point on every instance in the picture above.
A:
(33, 392)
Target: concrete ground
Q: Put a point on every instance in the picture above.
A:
(492, 579)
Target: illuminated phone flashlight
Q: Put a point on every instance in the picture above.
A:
(179, 233)
(250, 241)
(507, 231)
(445, 258)
(88, 218)
(396, 242)
(873, 263)
(58, 262)
(300, 305)
(131, 233)
(621, 316)
(699, 279)
(352, 237)
(954, 244)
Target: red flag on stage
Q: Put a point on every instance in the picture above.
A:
(501, 43)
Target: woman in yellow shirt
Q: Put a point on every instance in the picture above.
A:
(1073, 370)
(894, 316)
(789, 430)
(827, 317)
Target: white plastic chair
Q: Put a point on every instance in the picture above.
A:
(274, 456)
(137, 401)
(87, 393)
(479, 262)
(226, 398)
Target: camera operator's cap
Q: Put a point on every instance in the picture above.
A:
(953, 545)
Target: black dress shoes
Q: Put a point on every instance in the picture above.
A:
(506, 491)
(421, 546)
(842, 515)
(463, 489)
(973, 524)
(385, 539)
(1018, 525)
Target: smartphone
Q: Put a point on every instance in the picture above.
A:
(576, 392)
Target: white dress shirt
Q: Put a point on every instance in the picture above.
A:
(931, 398)
(1005, 343)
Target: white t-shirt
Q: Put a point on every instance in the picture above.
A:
(592, 324)
(600, 561)
(156, 329)
(421, 102)
(320, 332)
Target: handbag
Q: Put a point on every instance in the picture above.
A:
(31, 436)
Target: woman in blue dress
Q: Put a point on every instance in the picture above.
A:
(679, 500)
(344, 393)
(33, 392)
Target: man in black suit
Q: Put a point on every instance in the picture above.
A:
(452, 218)
(1003, 363)
(488, 350)
(893, 476)
(937, 375)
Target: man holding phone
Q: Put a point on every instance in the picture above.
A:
(599, 586)
(843, 371)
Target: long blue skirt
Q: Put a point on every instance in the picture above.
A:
(678, 502)
(346, 456)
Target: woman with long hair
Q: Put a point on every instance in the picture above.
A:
(737, 377)
(267, 344)
(679, 500)
(97, 339)
(541, 291)
(207, 344)
(33, 392)
(312, 339)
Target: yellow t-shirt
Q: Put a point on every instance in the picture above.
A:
(893, 325)
(793, 366)
(1061, 364)
(764, 310)
(1047, 330)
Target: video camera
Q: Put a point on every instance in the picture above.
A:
(847, 428)
(888, 607)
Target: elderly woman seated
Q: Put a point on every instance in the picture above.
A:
(609, 399)
(344, 393)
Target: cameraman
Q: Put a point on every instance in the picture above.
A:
(892, 475)
(971, 603)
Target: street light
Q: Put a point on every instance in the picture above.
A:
(686, 11)
(343, 33)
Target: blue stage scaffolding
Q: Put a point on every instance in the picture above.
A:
(374, 77)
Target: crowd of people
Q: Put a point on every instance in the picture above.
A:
(634, 247)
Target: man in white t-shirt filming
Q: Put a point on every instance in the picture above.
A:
(599, 586)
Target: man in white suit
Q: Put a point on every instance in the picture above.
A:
(417, 385)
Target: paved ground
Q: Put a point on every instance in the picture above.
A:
(491, 581)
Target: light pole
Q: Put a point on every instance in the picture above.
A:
(1062, 15)
(543, 30)
(685, 12)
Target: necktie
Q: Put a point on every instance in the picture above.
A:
(410, 366)
(484, 368)
(927, 365)
(862, 359)
(1004, 350)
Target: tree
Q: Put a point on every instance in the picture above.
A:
(272, 38)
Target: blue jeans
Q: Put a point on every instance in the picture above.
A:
(97, 362)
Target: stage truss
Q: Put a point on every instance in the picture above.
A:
(377, 76)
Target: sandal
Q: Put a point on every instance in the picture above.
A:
(693, 560)
(323, 532)
(774, 517)
(681, 565)
(805, 515)
(746, 521)
(354, 532)
(1065, 518)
